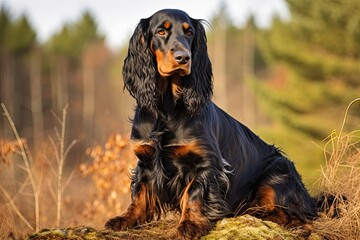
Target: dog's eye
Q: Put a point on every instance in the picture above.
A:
(161, 31)
(189, 33)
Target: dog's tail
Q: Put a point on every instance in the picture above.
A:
(330, 204)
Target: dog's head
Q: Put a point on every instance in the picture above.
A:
(168, 44)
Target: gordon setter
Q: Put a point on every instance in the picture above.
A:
(194, 157)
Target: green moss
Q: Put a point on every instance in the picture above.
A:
(75, 233)
(247, 227)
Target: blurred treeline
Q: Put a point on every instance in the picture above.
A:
(74, 66)
(290, 83)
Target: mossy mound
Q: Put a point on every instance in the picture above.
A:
(162, 230)
(248, 227)
(73, 233)
(243, 227)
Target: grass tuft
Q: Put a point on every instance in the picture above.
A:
(341, 176)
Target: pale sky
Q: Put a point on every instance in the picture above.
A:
(117, 18)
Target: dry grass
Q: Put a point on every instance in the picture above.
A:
(32, 183)
(341, 176)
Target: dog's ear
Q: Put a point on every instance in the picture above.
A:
(198, 85)
(139, 70)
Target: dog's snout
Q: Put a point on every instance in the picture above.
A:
(182, 57)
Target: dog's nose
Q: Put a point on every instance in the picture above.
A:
(182, 57)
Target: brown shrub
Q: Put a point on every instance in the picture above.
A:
(109, 171)
(8, 149)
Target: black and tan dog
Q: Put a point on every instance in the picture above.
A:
(194, 157)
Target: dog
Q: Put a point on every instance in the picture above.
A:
(192, 156)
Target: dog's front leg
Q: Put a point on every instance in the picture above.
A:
(193, 224)
(139, 211)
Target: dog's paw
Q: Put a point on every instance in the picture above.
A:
(191, 230)
(120, 223)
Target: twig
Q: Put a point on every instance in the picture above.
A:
(346, 114)
(71, 176)
(16, 210)
(55, 116)
(69, 148)
(56, 151)
(61, 155)
(28, 165)
(60, 167)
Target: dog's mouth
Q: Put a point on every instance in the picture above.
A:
(180, 70)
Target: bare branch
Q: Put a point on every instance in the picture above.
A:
(16, 210)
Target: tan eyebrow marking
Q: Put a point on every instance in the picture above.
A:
(167, 24)
(186, 25)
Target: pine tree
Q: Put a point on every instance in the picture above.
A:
(315, 59)
(72, 39)
(320, 49)
(17, 41)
